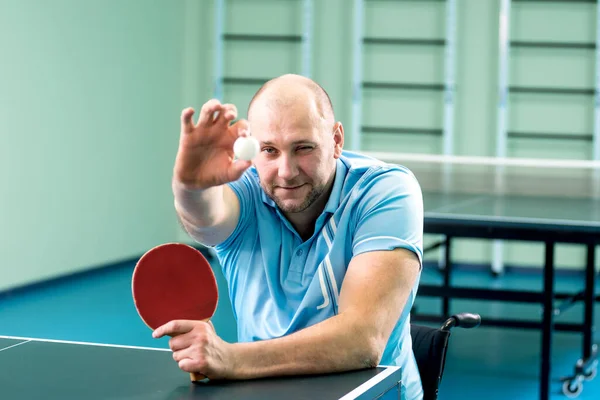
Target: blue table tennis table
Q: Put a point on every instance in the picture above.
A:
(54, 369)
(546, 219)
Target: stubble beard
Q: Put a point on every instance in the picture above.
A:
(311, 197)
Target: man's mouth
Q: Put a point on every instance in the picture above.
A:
(289, 187)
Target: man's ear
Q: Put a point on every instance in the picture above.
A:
(338, 139)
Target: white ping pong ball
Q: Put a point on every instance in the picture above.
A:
(246, 148)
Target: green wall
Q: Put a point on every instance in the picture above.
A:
(90, 95)
(91, 92)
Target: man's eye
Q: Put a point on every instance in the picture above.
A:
(269, 150)
(305, 148)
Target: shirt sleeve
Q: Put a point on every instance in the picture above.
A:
(389, 214)
(245, 192)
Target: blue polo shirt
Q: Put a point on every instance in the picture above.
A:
(279, 284)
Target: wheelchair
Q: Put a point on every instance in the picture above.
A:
(430, 346)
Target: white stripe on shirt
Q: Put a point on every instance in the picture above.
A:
(328, 265)
(375, 238)
(332, 278)
(332, 222)
(323, 289)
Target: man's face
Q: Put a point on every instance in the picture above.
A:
(297, 153)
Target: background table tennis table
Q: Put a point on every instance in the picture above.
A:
(47, 369)
(549, 220)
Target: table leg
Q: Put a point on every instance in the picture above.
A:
(547, 323)
(446, 298)
(589, 298)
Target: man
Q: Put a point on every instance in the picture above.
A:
(321, 248)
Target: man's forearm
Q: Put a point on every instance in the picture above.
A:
(336, 344)
(200, 210)
(197, 206)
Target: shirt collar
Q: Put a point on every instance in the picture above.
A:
(336, 191)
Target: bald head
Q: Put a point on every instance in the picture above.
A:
(291, 91)
(292, 118)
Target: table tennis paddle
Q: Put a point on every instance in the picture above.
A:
(174, 281)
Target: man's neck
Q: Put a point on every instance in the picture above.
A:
(304, 222)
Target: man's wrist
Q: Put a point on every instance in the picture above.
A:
(186, 190)
(236, 361)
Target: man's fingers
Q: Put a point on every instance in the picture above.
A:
(186, 120)
(180, 342)
(240, 128)
(228, 113)
(208, 110)
(236, 170)
(173, 328)
(191, 365)
(182, 354)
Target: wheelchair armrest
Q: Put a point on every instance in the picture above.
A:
(463, 320)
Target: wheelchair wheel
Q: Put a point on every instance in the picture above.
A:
(572, 389)
(591, 374)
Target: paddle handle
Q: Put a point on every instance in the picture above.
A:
(194, 377)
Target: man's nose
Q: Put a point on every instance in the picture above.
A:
(288, 168)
